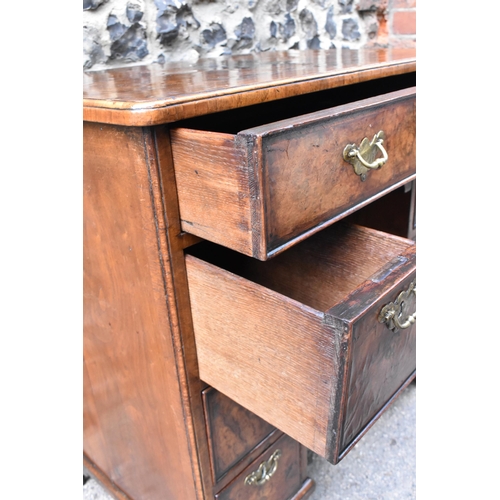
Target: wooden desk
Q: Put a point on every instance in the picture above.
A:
(249, 286)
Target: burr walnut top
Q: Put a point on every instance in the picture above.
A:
(163, 93)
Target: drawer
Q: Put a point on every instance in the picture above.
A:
(235, 435)
(298, 340)
(282, 464)
(261, 190)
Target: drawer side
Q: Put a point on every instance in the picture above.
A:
(269, 353)
(213, 187)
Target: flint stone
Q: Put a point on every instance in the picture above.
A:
(132, 46)
(330, 26)
(372, 5)
(214, 35)
(273, 29)
(288, 29)
(244, 34)
(371, 24)
(92, 50)
(346, 6)
(350, 30)
(245, 30)
(115, 27)
(308, 23)
(273, 7)
(173, 16)
(134, 13)
(92, 4)
(314, 43)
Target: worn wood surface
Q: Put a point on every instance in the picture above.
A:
(274, 185)
(247, 357)
(307, 183)
(306, 490)
(318, 272)
(213, 187)
(135, 424)
(295, 346)
(172, 242)
(144, 424)
(283, 484)
(380, 363)
(103, 479)
(155, 94)
(236, 435)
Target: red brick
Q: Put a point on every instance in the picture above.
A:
(404, 23)
(403, 4)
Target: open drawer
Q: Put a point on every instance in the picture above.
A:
(318, 340)
(261, 190)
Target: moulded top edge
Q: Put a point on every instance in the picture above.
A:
(153, 94)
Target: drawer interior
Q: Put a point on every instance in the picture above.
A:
(233, 121)
(305, 325)
(319, 272)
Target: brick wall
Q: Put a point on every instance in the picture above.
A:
(130, 32)
(402, 23)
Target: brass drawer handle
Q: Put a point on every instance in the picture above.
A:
(265, 471)
(363, 158)
(391, 313)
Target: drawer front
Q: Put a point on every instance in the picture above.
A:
(281, 462)
(233, 433)
(290, 339)
(382, 362)
(266, 188)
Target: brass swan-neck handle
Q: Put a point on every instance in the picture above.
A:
(391, 314)
(363, 158)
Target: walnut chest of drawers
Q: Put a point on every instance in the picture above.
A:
(249, 267)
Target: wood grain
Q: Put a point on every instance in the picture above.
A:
(261, 191)
(236, 436)
(297, 346)
(155, 94)
(213, 187)
(380, 363)
(307, 182)
(134, 425)
(171, 242)
(283, 484)
(250, 360)
(145, 434)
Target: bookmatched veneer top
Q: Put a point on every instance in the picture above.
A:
(163, 93)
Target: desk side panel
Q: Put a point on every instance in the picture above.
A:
(134, 425)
